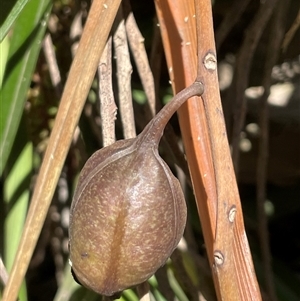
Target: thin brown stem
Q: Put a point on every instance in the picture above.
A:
(108, 108)
(137, 46)
(156, 126)
(75, 32)
(124, 70)
(291, 32)
(52, 64)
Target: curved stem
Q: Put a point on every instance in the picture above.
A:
(152, 133)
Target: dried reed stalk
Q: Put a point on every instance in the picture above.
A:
(207, 149)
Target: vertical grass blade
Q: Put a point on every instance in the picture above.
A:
(10, 11)
(16, 197)
(25, 44)
(4, 47)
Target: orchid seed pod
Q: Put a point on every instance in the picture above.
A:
(128, 212)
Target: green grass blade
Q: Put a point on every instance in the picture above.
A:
(25, 45)
(176, 287)
(10, 11)
(4, 48)
(129, 295)
(16, 196)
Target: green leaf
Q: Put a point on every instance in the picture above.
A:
(16, 197)
(176, 287)
(4, 48)
(25, 45)
(129, 295)
(10, 10)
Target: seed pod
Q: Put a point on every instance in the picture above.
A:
(128, 212)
